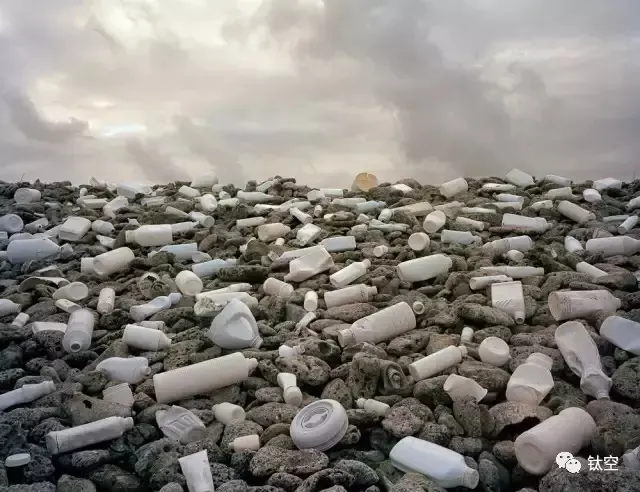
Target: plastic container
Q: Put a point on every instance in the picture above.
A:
(532, 381)
(228, 202)
(522, 223)
(202, 219)
(628, 224)
(26, 394)
(574, 304)
(568, 432)
(188, 192)
(67, 306)
(338, 244)
(309, 265)
(188, 283)
(37, 248)
(459, 387)
(605, 183)
(114, 205)
(20, 320)
(112, 262)
(557, 193)
(176, 212)
(519, 243)
(572, 245)
(202, 378)
(378, 327)
(592, 196)
(332, 192)
(206, 180)
(380, 251)
(477, 283)
(350, 295)
(235, 327)
(85, 435)
(575, 212)
(145, 338)
(514, 271)
(458, 237)
(245, 443)
(424, 268)
(437, 362)
(311, 301)
(467, 335)
(274, 287)
(419, 209)
(197, 471)
(320, 425)
(317, 211)
(503, 205)
(374, 406)
(151, 235)
(385, 215)
(349, 273)
(271, 232)
(498, 187)
(106, 300)
(120, 394)
(514, 255)
(418, 241)
(211, 303)
(26, 195)
(586, 268)
(143, 311)
(75, 291)
(226, 413)
(250, 222)
(183, 252)
(102, 227)
(38, 326)
(77, 337)
(74, 229)
(508, 197)
(453, 187)
(210, 268)
(580, 353)
(474, 224)
(288, 352)
(300, 215)
(519, 178)
(494, 351)
(86, 265)
(290, 391)
(7, 307)
(34, 227)
(254, 196)
(622, 332)
(308, 233)
(180, 424)
(445, 467)
(611, 246)
(542, 204)
(509, 298)
(434, 221)
(477, 210)
(559, 180)
(208, 202)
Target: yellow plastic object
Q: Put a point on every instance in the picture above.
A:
(364, 182)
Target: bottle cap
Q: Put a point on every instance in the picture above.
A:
(470, 478)
(292, 396)
(320, 425)
(129, 236)
(463, 351)
(366, 262)
(346, 338)
(16, 460)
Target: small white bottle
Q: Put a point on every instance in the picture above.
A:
(188, 283)
(143, 311)
(467, 335)
(151, 235)
(75, 291)
(575, 212)
(338, 244)
(27, 195)
(26, 394)
(77, 337)
(458, 237)
(628, 224)
(145, 338)
(85, 435)
(572, 245)
(120, 394)
(102, 227)
(132, 370)
(380, 251)
(271, 232)
(300, 215)
(514, 255)
(556, 193)
(350, 273)
(106, 300)
(311, 301)
(37, 248)
(423, 268)
(453, 187)
(586, 268)
(518, 243)
(113, 261)
(580, 303)
(378, 327)
(436, 362)
(226, 413)
(434, 221)
(7, 306)
(459, 387)
(531, 382)
(418, 241)
(386, 215)
(494, 351)
(309, 265)
(274, 287)
(11, 223)
(622, 332)
(245, 443)
(611, 246)
(374, 406)
(290, 391)
(20, 320)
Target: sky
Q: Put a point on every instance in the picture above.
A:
(160, 90)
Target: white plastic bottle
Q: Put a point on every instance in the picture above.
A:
(494, 351)
(11, 223)
(611, 246)
(603, 184)
(205, 180)
(311, 301)
(202, 378)
(349, 273)
(77, 337)
(628, 224)
(145, 338)
(120, 394)
(188, 283)
(477, 283)
(75, 291)
(592, 196)
(37, 248)
(523, 223)
(531, 382)
(519, 243)
(474, 224)
(309, 265)
(197, 471)
(300, 215)
(67, 306)
(580, 303)
(7, 306)
(514, 255)
(459, 387)
(271, 232)
(580, 353)
(245, 443)
(559, 180)
(102, 227)
(509, 298)
(338, 244)
(542, 204)
(235, 327)
(445, 467)
(290, 391)
(418, 241)
(250, 222)
(423, 268)
(274, 287)
(556, 193)
(26, 195)
(143, 311)
(20, 320)
(509, 197)
(211, 267)
(384, 325)
(226, 413)
(514, 271)
(575, 212)
(106, 300)
(350, 295)
(74, 228)
(467, 335)
(498, 187)
(568, 432)
(113, 261)
(151, 235)
(132, 370)
(434, 221)
(374, 406)
(458, 237)
(26, 394)
(85, 435)
(622, 332)
(519, 178)
(632, 205)
(453, 187)
(572, 245)
(586, 268)
(437, 362)
(179, 424)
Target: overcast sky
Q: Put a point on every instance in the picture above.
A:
(156, 90)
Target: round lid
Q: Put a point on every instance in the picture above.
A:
(16, 460)
(320, 425)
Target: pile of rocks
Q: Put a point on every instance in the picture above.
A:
(300, 335)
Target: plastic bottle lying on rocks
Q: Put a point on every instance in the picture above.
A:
(419, 209)
(586, 268)
(77, 337)
(338, 244)
(380, 251)
(575, 212)
(622, 332)
(523, 223)
(188, 283)
(437, 362)
(20, 320)
(226, 413)
(514, 271)
(477, 283)
(532, 381)
(250, 222)
(143, 311)
(245, 443)
(612, 246)
(418, 241)
(453, 187)
(34, 249)
(132, 370)
(145, 338)
(209, 268)
(197, 471)
(235, 327)
(494, 351)
(459, 387)
(150, 235)
(628, 224)
(509, 197)
(75, 291)
(287, 352)
(11, 223)
(290, 391)
(26, 195)
(181, 425)
(574, 304)
(514, 255)
(85, 435)
(509, 298)
(519, 178)
(379, 408)
(274, 287)
(559, 180)
(26, 394)
(498, 187)
(556, 193)
(434, 221)
(423, 268)
(308, 233)
(474, 224)
(206, 180)
(113, 261)
(592, 196)
(519, 243)
(349, 273)
(467, 335)
(309, 265)
(120, 394)
(572, 245)
(7, 306)
(271, 232)
(384, 325)
(458, 237)
(310, 301)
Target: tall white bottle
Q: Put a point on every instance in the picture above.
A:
(151, 235)
(349, 273)
(378, 327)
(622, 332)
(26, 394)
(612, 246)
(132, 370)
(145, 338)
(77, 337)
(350, 295)
(437, 362)
(531, 382)
(85, 435)
(309, 265)
(37, 248)
(423, 268)
(574, 304)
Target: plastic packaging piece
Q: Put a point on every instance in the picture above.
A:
(145, 338)
(459, 237)
(75, 291)
(568, 432)
(211, 303)
(143, 311)
(559, 180)
(445, 467)
(348, 202)
(386, 324)
(612, 246)
(26, 195)
(209, 268)
(519, 243)
(363, 182)
(85, 435)
(202, 219)
(453, 187)
(226, 413)
(114, 205)
(77, 337)
(290, 391)
(524, 224)
(309, 265)
(196, 469)
(580, 353)
(188, 283)
(11, 223)
(418, 241)
(586, 268)
(74, 228)
(315, 195)
(374, 406)
(39, 326)
(153, 201)
(106, 300)
(459, 387)
(385, 215)
(311, 301)
(622, 332)
(17, 460)
(474, 224)
(120, 394)
(434, 221)
(271, 232)
(467, 335)
(235, 327)
(509, 298)
(349, 273)
(34, 249)
(508, 197)
(206, 180)
(26, 394)
(532, 381)
(557, 193)
(423, 268)
(631, 459)
(333, 192)
(20, 320)
(308, 233)
(514, 255)
(603, 184)
(565, 305)
(102, 227)
(274, 287)
(419, 209)
(228, 202)
(350, 295)
(494, 351)
(338, 244)
(34, 227)
(151, 235)
(113, 261)
(592, 196)
(7, 307)
(514, 271)
(628, 224)
(202, 378)
(156, 325)
(437, 362)
(254, 196)
(575, 212)
(300, 215)
(418, 307)
(180, 424)
(86, 265)
(477, 283)
(288, 352)
(380, 251)
(572, 245)
(519, 178)
(245, 443)
(250, 222)
(320, 425)
(175, 212)
(67, 306)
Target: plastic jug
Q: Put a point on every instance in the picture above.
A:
(459, 387)
(445, 467)
(434, 221)
(274, 287)
(531, 382)
(309, 265)
(77, 337)
(575, 212)
(437, 362)
(26, 394)
(37, 248)
(85, 435)
(622, 332)
(180, 424)
(145, 338)
(611, 246)
(581, 355)
(113, 261)
(197, 471)
(338, 244)
(132, 370)
(593, 272)
(11, 223)
(423, 268)
(378, 327)
(102, 227)
(580, 303)
(350, 273)
(453, 187)
(235, 327)
(509, 298)
(494, 351)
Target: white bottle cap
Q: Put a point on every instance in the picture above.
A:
(292, 396)
(226, 413)
(16, 460)
(418, 307)
(494, 351)
(320, 425)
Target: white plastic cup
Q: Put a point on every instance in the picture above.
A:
(424, 268)
(113, 261)
(453, 187)
(188, 283)
(418, 241)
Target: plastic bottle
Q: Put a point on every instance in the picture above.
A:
(288, 352)
(437, 362)
(106, 300)
(113, 261)
(143, 311)
(37, 248)
(522, 223)
(311, 301)
(226, 413)
(114, 205)
(380, 251)
(592, 196)
(611, 246)
(502, 205)
(85, 435)
(632, 205)
(132, 370)
(568, 432)
(197, 471)
(580, 353)
(459, 237)
(75, 291)
(188, 283)
(557, 193)
(183, 252)
(308, 233)
(188, 192)
(514, 255)
(254, 196)
(209, 268)
(477, 210)
(445, 467)
(418, 241)
(67, 306)
(202, 219)
(11, 223)
(628, 224)
(250, 222)
(228, 202)
(350, 295)
(575, 212)
(169, 210)
(519, 178)
(26, 195)
(206, 180)
(26, 394)
(374, 406)
(509, 298)
(494, 351)
(453, 187)
(622, 332)
(145, 338)
(519, 243)
(572, 245)
(290, 391)
(474, 224)
(211, 303)
(419, 209)
(151, 235)
(605, 183)
(467, 335)
(349, 273)
(86, 265)
(235, 327)
(559, 180)
(20, 320)
(245, 443)
(586, 268)
(423, 268)
(38, 326)
(338, 244)
(458, 387)
(580, 303)
(434, 221)
(532, 381)
(274, 287)
(7, 307)
(120, 394)
(477, 283)
(271, 232)
(385, 215)
(514, 271)
(208, 202)
(77, 337)
(384, 325)
(542, 204)
(180, 424)
(498, 187)
(309, 265)
(509, 197)
(202, 378)
(102, 227)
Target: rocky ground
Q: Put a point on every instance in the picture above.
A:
(144, 460)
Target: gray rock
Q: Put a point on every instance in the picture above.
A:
(363, 474)
(272, 413)
(626, 379)
(415, 482)
(308, 369)
(338, 390)
(269, 460)
(401, 422)
(513, 412)
(73, 484)
(558, 480)
(285, 481)
(430, 392)
(490, 377)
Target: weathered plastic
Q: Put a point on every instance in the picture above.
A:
(332, 192)
(311, 301)
(423, 268)
(235, 327)
(592, 196)
(86, 265)
(458, 237)
(514, 271)
(557, 193)
(38, 326)
(459, 387)
(320, 425)
(151, 235)
(349, 273)
(245, 443)
(633, 204)
(274, 287)
(514, 255)
(453, 187)
(542, 204)
(250, 222)
(612, 246)
(419, 209)
(197, 471)
(519, 243)
(474, 224)
(498, 187)
(308, 233)
(75, 291)
(34, 249)
(524, 224)
(202, 378)
(144, 311)
(188, 283)
(603, 184)
(575, 212)
(445, 467)
(102, 227)
(385, 215)
(290, 391)
(254, 196)
(580, 353)
(494, 351)
(11, 223)
(559, 180)
(572, 245)
(418, 307)
(622, 332)
(631, 459)
(209, 268)
(385, 324)
(574, 304)
(363, 182)
(74, 228)
(338, 244)
(120, 394)
(202, 219)
(467, 335)
(226, 413)
(27, 195)
(309, 265)
(477, 283)
(509, 197)
(505, 205)
(85, 435)
(568, 432)
(113, 261)
(374, 406)
(77, 337)
(188, 191)
(271, 232)
(532, 381)
(205, 180)
(509, 298)
(180, 424)
(628, 224)
(380, 251)
(7, 307)
(418, 241)
(26, 394)
(145, 338)
(208, 202)
(67, 306)
(434, 221)
(437, 362)
(288, 352)
(211, 302)
(349, 295)
(114, 205)
(586, 268)
(519, 178)
(20, 320)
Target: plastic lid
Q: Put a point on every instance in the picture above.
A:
(346, 338)
(15, 460)
(470, 478)
(366, 262)
(320, 425)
